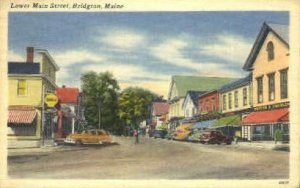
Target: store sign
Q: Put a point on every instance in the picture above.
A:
(273, 106)
(51, 100)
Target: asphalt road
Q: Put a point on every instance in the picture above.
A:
(150, 159)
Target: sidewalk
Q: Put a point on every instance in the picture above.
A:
(41, 150)
(263, 145)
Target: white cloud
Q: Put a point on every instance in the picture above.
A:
(232, 48)
(122, 38)
(13, 56)
(170, 52)
(72, 57)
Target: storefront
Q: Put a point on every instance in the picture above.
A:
(22, 122)
(229, 125)
(262, 125)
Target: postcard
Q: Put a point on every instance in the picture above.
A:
(150, 94)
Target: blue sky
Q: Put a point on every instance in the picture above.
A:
(140, 48)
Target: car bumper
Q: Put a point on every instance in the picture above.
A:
(70, 141)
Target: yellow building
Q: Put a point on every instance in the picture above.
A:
(268, 61)
(28, 83)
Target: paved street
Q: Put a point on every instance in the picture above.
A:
(151, 159)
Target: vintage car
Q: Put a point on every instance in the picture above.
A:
(160, 133)
(90, 136)
(182, 132)
(214, 137)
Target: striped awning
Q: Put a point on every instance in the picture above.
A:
(21, 116)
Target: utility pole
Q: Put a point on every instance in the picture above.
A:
(99, 110)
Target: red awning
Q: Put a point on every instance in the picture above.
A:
(267, 117)
(21, 116)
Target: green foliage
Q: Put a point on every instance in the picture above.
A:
(134, 105)
(101, 88)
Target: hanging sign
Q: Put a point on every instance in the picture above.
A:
(51, 100)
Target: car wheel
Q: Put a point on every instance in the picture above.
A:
(228, 143)
(78, 143)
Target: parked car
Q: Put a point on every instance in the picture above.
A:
(195, 135)
(160, 133)
(214, 137)
(169, 135)
(181, 134)
(90, 136)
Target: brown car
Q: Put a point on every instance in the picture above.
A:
(214, 137)
(90, 136)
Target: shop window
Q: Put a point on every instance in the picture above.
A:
(259, 81)
(229, 100)
(283, 84)
(22, 87)
(236, 99)
(224, 102)
(270, 51)
(271, 86)
(245, 96)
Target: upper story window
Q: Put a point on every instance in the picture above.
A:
(236, 99)
(271, 86)
(213, 104)
(270, 51)
(224, 102)
(283, 84)
(22, 88)
(229, 100)
(245, 100)
(259, 81)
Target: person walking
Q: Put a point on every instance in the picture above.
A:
(136, 135)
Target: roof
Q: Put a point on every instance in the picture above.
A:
(197, 83)
(23, 68)
(280, 30)
(194, 96)
(160, 108)
(21, 116)
(67, 95)
(203, 124)
(266, 117)
(236, 84)
(208, 93)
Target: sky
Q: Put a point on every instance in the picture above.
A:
(141, 49)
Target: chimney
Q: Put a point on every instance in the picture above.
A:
(63, 86)
(30, 52)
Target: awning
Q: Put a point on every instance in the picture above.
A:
(21, 116)
(203, 124)
(229, 121)
(267, 117)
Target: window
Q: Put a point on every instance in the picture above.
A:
(271, 87)
(270, 51)
(284, 84)
(245, 96)
(22, 87)
(224, 102)
(236, 99)
(229, 100)
(259, 89)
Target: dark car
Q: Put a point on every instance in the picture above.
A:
(160, 133)
(214, 137)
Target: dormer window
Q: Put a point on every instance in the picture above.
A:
(270, 50)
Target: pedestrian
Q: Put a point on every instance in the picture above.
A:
(136, 135)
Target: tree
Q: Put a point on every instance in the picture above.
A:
(134, 105)
(101, 99)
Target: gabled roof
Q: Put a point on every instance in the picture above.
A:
(197, 83)
(160, 108)
(236, 84)
(23, 68)
(194, 96)
(281, 31)
(67, 95)
(208, 93)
